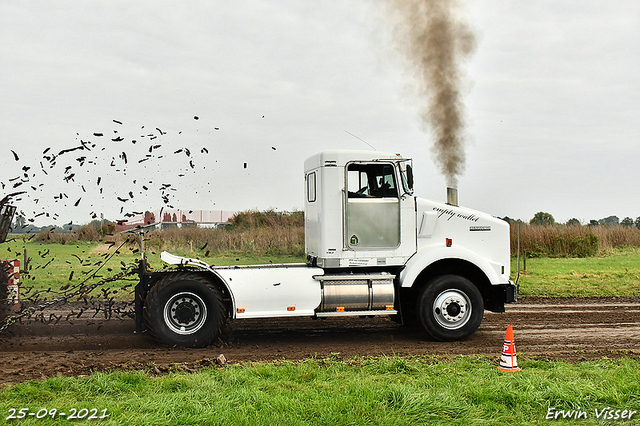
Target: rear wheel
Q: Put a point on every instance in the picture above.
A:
(184, 309)
(450, 307)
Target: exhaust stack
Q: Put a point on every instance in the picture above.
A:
(452, 196)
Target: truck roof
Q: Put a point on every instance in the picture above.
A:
(340, 157)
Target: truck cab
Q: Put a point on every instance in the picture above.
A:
(359, 210)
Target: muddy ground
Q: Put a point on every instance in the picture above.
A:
(558, 329)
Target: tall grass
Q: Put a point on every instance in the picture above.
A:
(266, 233)
(572, 241)
(271, 233)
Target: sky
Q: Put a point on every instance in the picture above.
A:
(215, 105)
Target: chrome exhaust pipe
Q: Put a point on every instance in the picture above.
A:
(452, 197)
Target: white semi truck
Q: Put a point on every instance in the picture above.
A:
(373, 248)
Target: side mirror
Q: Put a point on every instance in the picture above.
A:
(410, 176)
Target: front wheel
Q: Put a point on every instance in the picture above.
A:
(450, 307)
(184, 309)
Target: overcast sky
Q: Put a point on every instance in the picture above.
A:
(225, 100)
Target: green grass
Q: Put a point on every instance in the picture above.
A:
(52, 265)
(420, 390)
(614, 274)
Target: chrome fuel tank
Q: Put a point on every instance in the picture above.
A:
(356, 292)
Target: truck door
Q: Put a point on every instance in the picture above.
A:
(372, 207)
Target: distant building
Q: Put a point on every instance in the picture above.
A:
(173, 218)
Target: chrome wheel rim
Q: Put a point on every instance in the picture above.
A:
(185, 313)
(452, 309)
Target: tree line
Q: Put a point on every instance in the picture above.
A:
(547, 219)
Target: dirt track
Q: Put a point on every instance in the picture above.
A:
(567, 329)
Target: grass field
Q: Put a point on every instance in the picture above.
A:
(423, 390)
(614, 274)
(56, 266)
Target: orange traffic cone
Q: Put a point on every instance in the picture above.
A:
(508, 361)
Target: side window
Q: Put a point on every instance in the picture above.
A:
(311, 187)
(371, 180)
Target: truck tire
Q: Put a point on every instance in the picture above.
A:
(184, 309)
(450, 307)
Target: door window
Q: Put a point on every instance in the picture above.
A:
(371, 180)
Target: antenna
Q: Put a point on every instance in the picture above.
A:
(360, 139)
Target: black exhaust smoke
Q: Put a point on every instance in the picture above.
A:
(430, 35)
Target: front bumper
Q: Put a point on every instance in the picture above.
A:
(499, 295)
